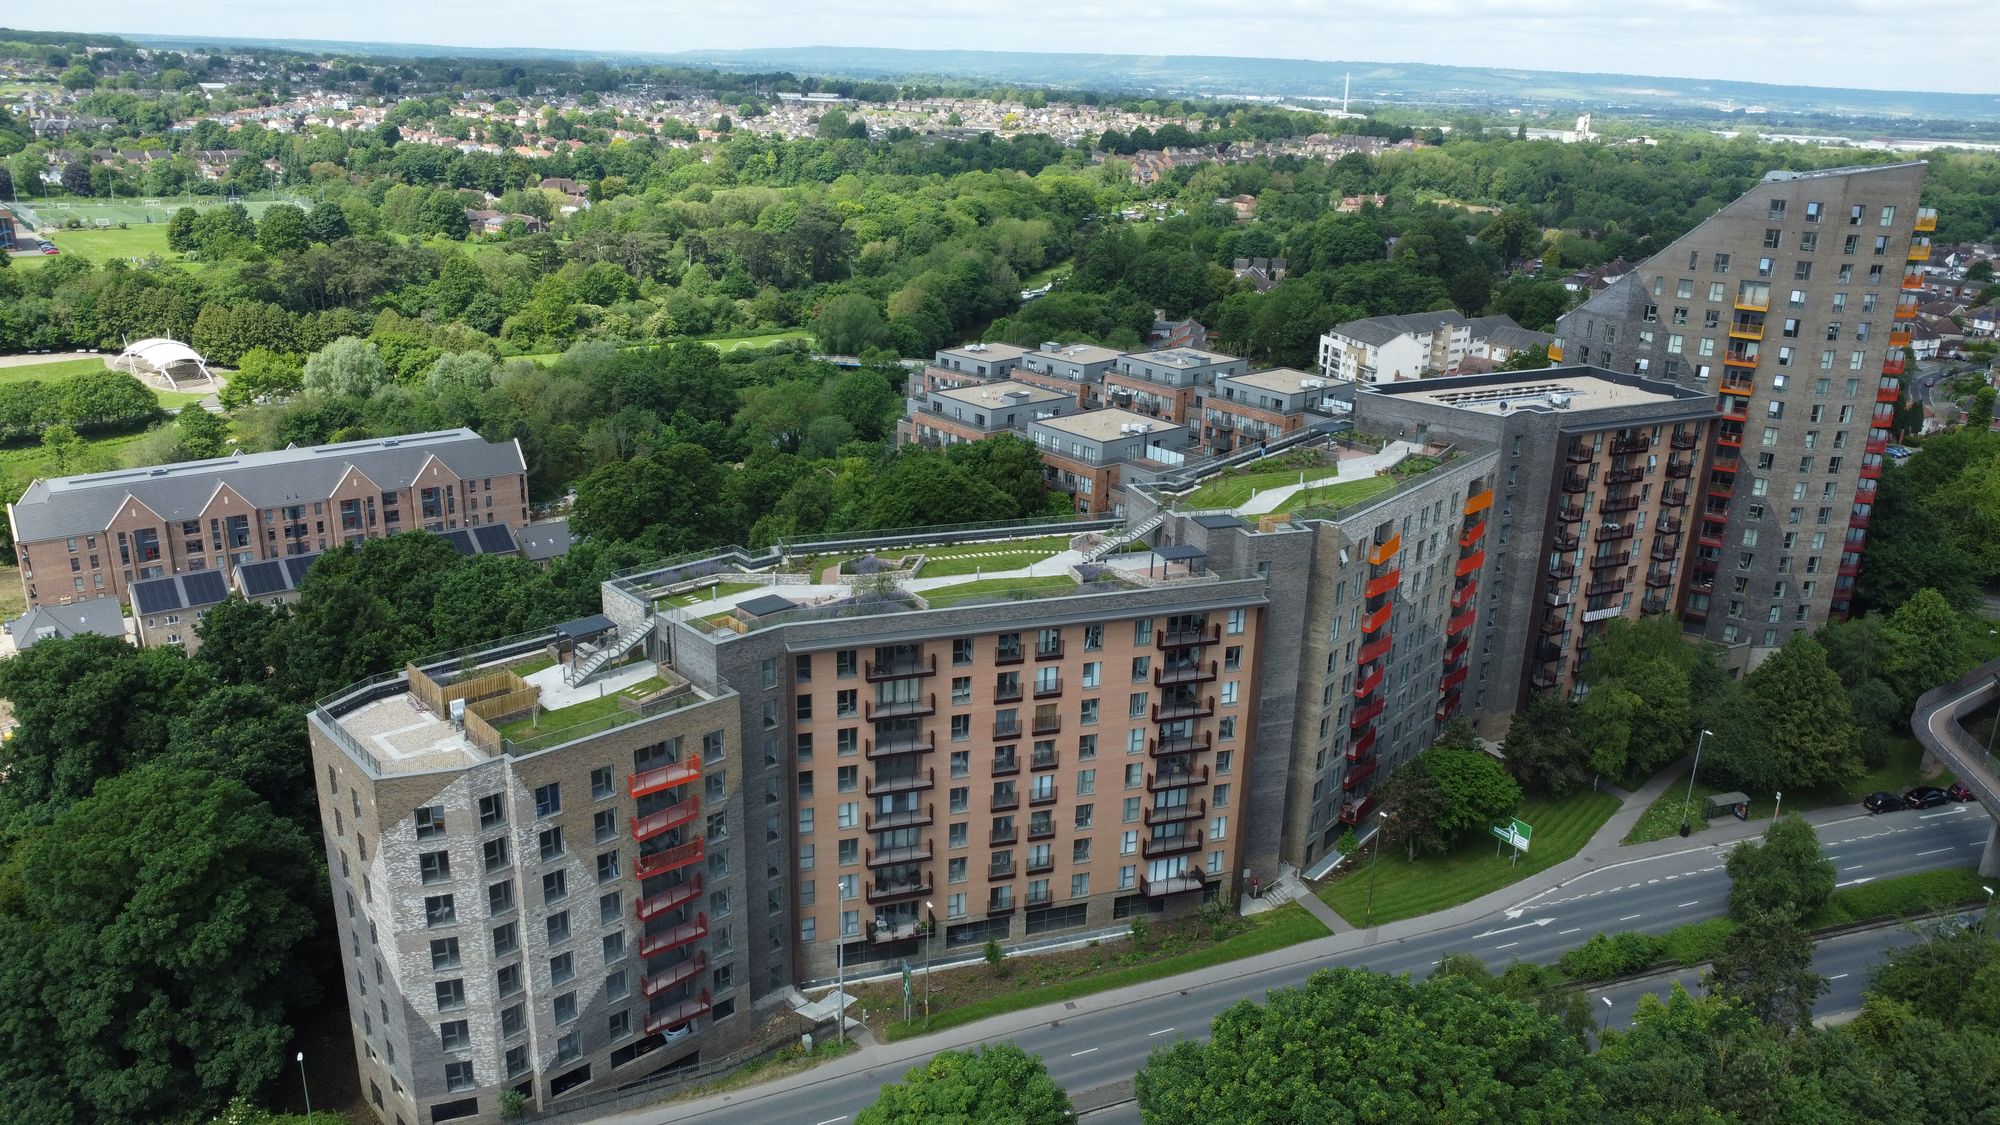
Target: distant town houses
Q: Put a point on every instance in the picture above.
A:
(1385, 349)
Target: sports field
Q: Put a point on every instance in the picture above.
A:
(101, 238)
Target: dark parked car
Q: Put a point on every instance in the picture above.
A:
(1958, 792)
(1882, 802)
(1926, 797)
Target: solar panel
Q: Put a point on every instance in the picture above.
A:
(261, 578)
(204, 588)
(156, 595)
(295, 570)
(460, 540)
(494, 538)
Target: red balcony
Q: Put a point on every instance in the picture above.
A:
(678, 1014)
(671, 859)
(1464, 594)
(694, 966)
(1472, 534)
(1357, 774)
(1470, 563)
(664, 777)
(669, 899)
(1729, 438)
(1362, 745)
(901, 669)
(1353, 811)
(1373, 651)
(1850, 569)
(1368, 683)
(1452, 679)
(1370, 622)
(1858, 520)
(1454, 653)
(1376, 587)
(1460, 623)
(1889, 391)
(1871, 472)
(1174, 814)
(1187, 638)
(1365, 714)
(1878, 445)
(669, 940)
(900, 708)
(1893, 365)
(672, 817)
(1380, 553)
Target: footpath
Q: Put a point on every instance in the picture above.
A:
(1602, 852)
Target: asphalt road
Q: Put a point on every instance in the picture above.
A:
(1099, 1047)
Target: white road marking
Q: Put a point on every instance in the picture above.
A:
(1628, 918)
(1571, 930)
(1836, 976)
(833, 1120)
(1164, 1030)
(1685, 905)
(1511, 929)
(1509, 945)
(1935, 851)
(1856, 882)
(1085, 1051)
(1856, 867)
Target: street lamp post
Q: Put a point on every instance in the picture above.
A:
(1374, 861)
(1687, 804)
(1986, 920)
(930, 923)
(1607, 1016)
(308, 1089)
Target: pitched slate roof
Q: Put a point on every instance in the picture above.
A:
(545, 540)
(1379, 330)
(103, 616)
(62, 506)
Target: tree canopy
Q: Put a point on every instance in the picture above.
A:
(997, 1083)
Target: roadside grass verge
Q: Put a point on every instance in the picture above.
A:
(1900, 770)
(1405, 889)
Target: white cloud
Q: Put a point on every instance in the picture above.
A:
(1860, 43)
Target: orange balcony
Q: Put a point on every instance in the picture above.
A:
(667, 941)
(1460, 623)
(1926, 220)
(1555, 353)
(1906, 309)
(1746, 330)
(1739, 359)
(1913, 280)
(664, 777)
(669, 899)
(1373, 651)
(678, 1014)
(672, 859)
(1472, 534)
(1920, 250)
(1463, 594)
(672, 817)
(1734, 384)
(1376, 587)
(1373, 621)
(1379, 553)
(1900, 338)
(1480, 501)
(694, 966)
(1368, 683)
(1470, 563)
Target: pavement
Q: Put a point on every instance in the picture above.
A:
(1093, 1045)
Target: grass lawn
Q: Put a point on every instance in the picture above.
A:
(952, 595)
(962, 995)
(1235, 491)
(56, 369)
(1897, 773)
(989, 564)
(763, 341)
(142, 240)
(13, 602)
(1405, 890)
(22, 463)
(1045, 545)
(589, 711)
(1342, 495)
(709, 593)
(532, 665)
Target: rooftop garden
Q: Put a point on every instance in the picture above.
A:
(612, 709)
(1235, 487)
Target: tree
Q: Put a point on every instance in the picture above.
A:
(1928, 646)
(1787, 870)
(999, 1083)
(1765, 964)
(850, 324)
(1355, 1045)
(1804, 733)
(200, 435)
(1542, 748)
(1512, 232)
(148, 937)
(348, 366)
(282, 230)
(236, 637)
(1476, 784)
(249, 735)
(262, 374)
(76, 178)
(326, 222)
(180, 231)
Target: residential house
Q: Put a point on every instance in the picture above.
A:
(104, 617)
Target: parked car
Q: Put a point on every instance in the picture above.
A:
(677, 1033)
(49, 249)
(1882, 802)
(1958, 792)
(1925, 797)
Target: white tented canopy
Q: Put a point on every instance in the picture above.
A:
(169, 358)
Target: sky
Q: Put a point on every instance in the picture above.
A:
(1858, 43)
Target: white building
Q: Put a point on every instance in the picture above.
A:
(1383, 349)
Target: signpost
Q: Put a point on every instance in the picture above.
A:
(1516, 833)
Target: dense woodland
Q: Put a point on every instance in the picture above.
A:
(162, 918)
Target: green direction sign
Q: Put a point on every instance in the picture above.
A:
(1517, 833)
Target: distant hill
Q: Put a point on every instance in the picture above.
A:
(1227, 76)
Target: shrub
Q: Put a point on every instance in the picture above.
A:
(1140, 933)
(1697, 942)
(1612, 955)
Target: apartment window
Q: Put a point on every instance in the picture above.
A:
(607, 866)
(458, 1076)
(562, 967)
(506, 939)
(430, 822)
(604, 825)
(601, 786)
(434, 867)
(439, 911)
(961, 689)
(444, 953)
(565, 1008)
(454, 1035)
(495, 853)
(548, 799)
(551, 841)
(507, 981)
(1128, 842)
(499, 898)
(450, 994)
(961, 651)
(555, 886)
